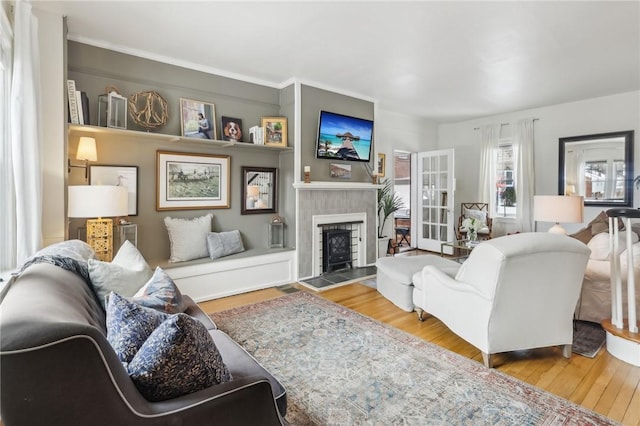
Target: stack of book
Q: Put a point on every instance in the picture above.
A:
(78, 104)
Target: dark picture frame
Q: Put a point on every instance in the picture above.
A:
(190, 121)
(231, 129)
(107, 174)
(187, 181)
(259, 190)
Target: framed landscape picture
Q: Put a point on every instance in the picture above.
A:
(275, 131)
(103, 174)
(192, 181)
(197, 119)
(380, 165)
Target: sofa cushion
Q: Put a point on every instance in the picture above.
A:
(129, 325)
(188, 237)
(221, 244)
(599, 244)
(125, 274)
(178, 358)
(160, 293)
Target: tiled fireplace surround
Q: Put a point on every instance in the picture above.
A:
(315, 202)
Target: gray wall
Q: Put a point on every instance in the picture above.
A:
(93, 69)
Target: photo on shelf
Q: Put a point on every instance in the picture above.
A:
(340, 171)
(231, 129)
(275, 131)
(197, 119)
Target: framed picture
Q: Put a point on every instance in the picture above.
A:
(192, 181)
(380, 165)
(197, 119)
(259, 190)
(103, 174)
(231, 129)
(275, 131)
(340, 171)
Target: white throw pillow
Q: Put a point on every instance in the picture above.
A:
(599, 244)
(479, 215)
(188, 237)
(125, 274)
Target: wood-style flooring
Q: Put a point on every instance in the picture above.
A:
(603, 384)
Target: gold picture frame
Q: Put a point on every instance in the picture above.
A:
(381, 164)
(275, 131)
(190, 120)
(188, 181)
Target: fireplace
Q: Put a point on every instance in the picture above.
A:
(336, 249)
(354, 224)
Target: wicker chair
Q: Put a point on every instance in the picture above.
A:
(479, 211)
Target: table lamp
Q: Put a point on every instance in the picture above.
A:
(558, 208)
(101, 202)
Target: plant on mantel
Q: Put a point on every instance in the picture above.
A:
(388, 202)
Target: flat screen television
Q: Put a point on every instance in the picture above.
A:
(341, 137)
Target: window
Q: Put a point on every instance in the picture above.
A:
(505, 184)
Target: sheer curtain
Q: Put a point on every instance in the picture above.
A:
(525, 179)
(487, 174)
(25, 133)
(7, 200)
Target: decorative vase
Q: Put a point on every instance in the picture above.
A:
(473, 235)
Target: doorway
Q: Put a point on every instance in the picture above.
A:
(402, 185)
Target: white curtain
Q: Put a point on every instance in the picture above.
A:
(490, 135)
(7, 200)
(26, 133)
(525, 179)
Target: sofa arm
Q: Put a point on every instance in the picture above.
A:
(78, 380)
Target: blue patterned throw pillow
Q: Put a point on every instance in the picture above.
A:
(160, 293)
(129, 325)
(178, 358)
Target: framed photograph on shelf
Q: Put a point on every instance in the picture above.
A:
(259, 190)
(380, 165)
(104, 174)
(231, 129)
(340, 171)
(197, 119)
(188, 181)
(275, 131)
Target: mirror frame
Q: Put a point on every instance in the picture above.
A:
(628, 166)
(246, 171)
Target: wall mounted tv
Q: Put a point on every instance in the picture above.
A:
(341, 137)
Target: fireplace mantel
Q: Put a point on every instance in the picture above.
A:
(334, 185)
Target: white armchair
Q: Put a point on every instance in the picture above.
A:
(514, 292)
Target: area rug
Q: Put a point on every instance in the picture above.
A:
(588, 338)
(342, 368)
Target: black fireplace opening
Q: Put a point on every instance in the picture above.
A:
(336, 249)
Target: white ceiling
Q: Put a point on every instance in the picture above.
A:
(446, 61)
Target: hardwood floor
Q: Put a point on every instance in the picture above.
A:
(603, 384)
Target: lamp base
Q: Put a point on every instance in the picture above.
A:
(557, 229)
(100, 238)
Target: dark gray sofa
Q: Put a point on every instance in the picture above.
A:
(57, 367)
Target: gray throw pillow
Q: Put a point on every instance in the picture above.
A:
(160, 293)
(221, 244)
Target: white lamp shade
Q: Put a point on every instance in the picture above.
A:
(253, 190)
(98, 201)
(558, 208)
(87, 149)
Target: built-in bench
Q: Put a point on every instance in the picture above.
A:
(253, 269)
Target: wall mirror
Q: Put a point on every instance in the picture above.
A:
(598, 167)
(259, 190)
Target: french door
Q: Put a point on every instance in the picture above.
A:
(433, 201)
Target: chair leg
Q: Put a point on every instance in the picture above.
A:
(566, 351)
(420, 313)
(487, 359)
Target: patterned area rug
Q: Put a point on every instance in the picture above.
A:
(342, 368)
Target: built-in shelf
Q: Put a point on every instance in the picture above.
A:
(334, 185)
(78, 129)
